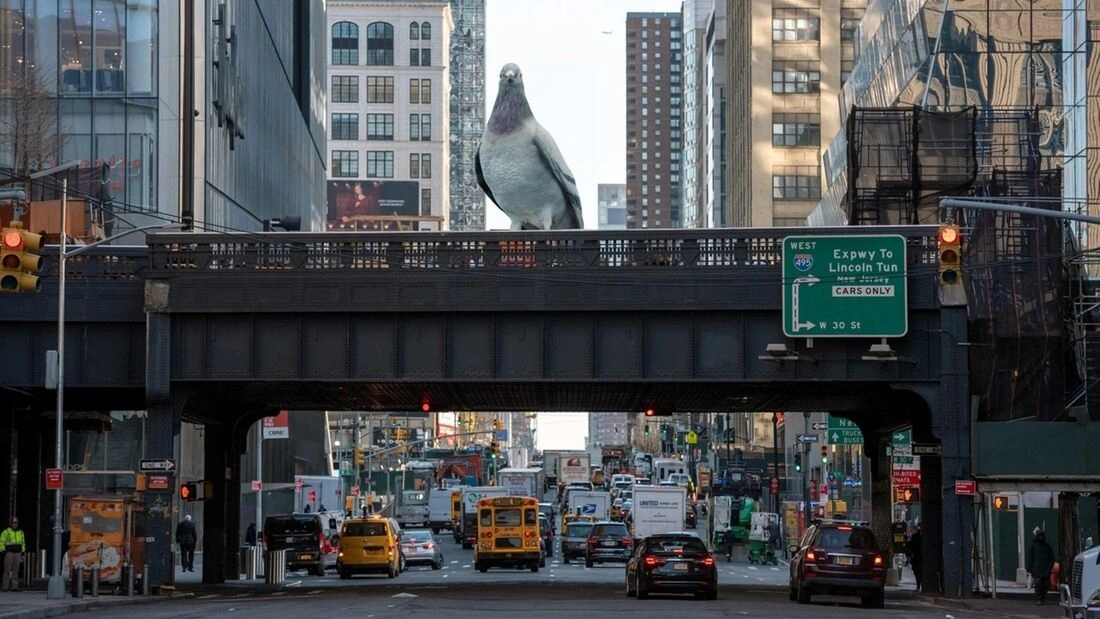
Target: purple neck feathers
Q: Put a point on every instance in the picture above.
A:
(509, 111)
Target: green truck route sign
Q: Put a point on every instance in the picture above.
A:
(844, 286)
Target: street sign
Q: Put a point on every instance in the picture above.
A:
(162, 465)
(775, 485)
(277, 426)
(844, 286)
(257, 485)
(904, 437)
(54, 479)
(311, 496)
(926, 449)
(843, 432)
(691, 437)
(157, 482)
(807, 438)
(906, 477)
(298, 482)
(966, 487)
(820, 425)
(355, 491)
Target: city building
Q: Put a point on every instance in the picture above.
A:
(467, 110)
(103, 82)
(612, 205)
(608, 429)
(389, 115)
(654, 138)
(783, 86)
(698, 54)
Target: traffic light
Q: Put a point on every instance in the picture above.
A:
(493, 450)
(357, 457)
(18, 267)
(950, 254)
(824, 454)
(798, 462)
(189, 491)
(649, 412)
(907, 495)
(498, 424)
(647, 429)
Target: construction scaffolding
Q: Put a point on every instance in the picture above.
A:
(1022, 326)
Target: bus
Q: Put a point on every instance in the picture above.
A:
(508, 533)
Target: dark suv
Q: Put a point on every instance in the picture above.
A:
(608, 541)
(301, 536)
(546, 531)
(838, 559)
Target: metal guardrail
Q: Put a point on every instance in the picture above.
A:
(174, 252)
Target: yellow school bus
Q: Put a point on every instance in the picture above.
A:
(508, 533)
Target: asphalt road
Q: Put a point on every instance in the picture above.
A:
(557, 591)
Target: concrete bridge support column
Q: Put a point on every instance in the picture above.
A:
(882, 513)
(7, 453)
(221, 539)
(31, 480)
(162, 430)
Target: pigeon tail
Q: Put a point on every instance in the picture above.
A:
(509, 111)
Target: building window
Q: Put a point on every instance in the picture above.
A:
(414, 31)
(414, 91)
(426, 31)
(796, 130)
(380, 164)
(345, 163)
(414, 57)
(425, 166)
(379, 89)
(426, 57)
(345, 43)
(849, 21)
(414, 127)
(345, 89)
(425, 91)
(414, 166)
(379, 126)
(380, 44)
(425, 127)
(426, 202)
(790, 24)
(345, 126)
(802, 184)
(795, 76)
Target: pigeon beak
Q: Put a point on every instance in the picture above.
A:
(511, 77)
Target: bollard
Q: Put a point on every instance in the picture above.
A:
(146, 584)
(78, 581)
(127, 579)
(95, 581)
(30, 562)
(275, 567)
(248, 558)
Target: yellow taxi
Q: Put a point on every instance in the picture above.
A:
(368, 545)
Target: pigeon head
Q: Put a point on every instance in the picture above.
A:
(511, 107)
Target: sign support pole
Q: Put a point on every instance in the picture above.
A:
(260, 476)
(806, 471)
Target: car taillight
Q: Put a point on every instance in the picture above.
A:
(878, 560)
(429, 546)
(529, 534)
(489, 535)
(320, 537)
(650, 561)
(265, 538)
(707, 561)
(627, 541)
(810, 555)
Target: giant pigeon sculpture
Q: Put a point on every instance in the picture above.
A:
(519, 166)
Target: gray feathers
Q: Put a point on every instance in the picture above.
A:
(520, 167)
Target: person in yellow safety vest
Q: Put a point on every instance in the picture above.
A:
(14, 544)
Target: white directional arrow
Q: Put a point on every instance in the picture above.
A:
(809, 280)
(836, 437)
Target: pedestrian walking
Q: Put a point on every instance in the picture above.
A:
(14, 544)
(1040, 562)
(187, 537)
(250, 534)
(914, 549)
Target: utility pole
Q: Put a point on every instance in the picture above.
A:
(806, 470)
(775, 463)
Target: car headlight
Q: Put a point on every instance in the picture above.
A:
(1094, 599)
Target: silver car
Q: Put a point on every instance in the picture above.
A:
(420, 548)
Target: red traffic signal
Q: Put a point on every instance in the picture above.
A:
(949, 244)
(18, 267)
(649, 412)
(425, 405)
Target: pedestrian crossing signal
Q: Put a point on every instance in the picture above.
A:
(189, 491)
(1000, 502)
(907, 495)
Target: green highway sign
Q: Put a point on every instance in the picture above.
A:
(845, 286)
(902, 437)
(843, 432)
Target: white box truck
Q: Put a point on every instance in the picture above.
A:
(590, 503)
(470, 497)
(412, 507)
(573, 467)
(1081, 597)
(657, 509)
(521, 481)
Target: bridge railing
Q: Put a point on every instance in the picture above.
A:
(721, 248)
(103, 263)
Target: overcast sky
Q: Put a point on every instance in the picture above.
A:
(573, 57)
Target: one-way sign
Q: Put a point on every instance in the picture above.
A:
(165, 465)
(926, 449)
(820, 425)
(807, 438)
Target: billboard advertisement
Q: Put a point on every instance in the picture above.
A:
(371, 204)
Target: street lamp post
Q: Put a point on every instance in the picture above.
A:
(56, 587)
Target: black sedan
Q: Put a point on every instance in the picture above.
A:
(546, 531)
(672, 563)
